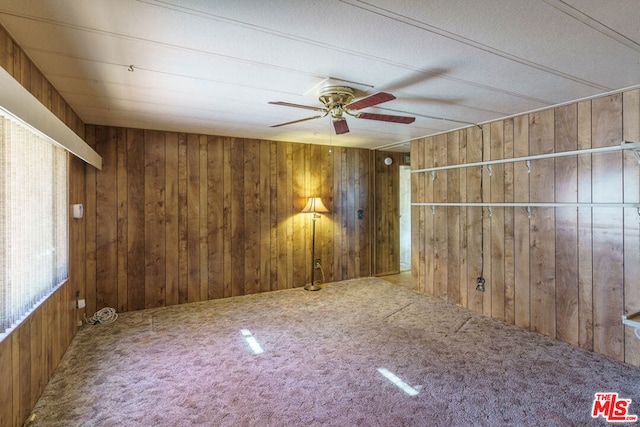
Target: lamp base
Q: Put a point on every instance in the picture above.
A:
(312, 287)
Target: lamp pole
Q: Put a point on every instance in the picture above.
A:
(312, 286)
(313, 206)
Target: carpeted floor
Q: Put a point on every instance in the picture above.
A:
(191, 365)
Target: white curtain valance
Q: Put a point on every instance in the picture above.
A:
(17, 102)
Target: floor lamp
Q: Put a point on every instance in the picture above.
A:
(314, 205)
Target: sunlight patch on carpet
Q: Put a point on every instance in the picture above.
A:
(398, 382)
(251, 340)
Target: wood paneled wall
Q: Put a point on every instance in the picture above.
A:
(31, 353)
(175, 218)
(569, 273)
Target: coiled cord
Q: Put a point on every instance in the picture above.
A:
(105, 316)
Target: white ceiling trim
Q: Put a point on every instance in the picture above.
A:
(594, 23)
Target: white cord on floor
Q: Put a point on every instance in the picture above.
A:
(105, 316)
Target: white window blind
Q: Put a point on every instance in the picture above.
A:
(33, 220)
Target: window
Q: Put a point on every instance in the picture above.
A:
(33, 220)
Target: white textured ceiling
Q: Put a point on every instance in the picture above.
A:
(209, 66)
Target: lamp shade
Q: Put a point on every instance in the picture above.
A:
(314, 204)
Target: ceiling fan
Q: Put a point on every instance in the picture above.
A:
(339, 101)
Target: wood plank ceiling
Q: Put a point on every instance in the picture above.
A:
(212, 66)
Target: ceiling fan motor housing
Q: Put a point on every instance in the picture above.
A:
(335, 98)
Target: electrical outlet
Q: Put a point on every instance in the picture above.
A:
(316, 263)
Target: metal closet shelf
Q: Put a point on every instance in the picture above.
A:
(625, 145)
(633, 320)
(532, 204)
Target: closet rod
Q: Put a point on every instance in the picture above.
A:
(623, 146)
(533, 205)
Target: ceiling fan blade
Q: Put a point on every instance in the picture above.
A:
(306, 107)
(340, 126)
(296, 121)
(370, 101)
(386, 118)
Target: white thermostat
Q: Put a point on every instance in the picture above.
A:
(78, 211)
